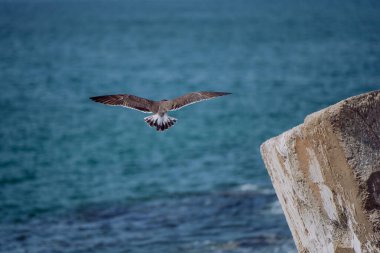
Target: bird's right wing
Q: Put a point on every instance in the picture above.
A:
(195, 97)
(130, 101)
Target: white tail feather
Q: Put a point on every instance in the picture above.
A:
(160, 122)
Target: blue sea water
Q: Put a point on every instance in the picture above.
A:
(76, 176)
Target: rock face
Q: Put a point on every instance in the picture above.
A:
(326, 173)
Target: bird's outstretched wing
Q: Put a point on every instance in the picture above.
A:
(130, 101)
(195, 97)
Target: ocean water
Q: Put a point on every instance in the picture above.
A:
(76, 176)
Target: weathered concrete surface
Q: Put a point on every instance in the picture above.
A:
(326, 173)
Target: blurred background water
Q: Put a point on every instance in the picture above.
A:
(76, 176)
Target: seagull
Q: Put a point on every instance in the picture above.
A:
(160, 119)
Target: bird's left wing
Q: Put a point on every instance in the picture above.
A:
(130, 101)
(195, 97)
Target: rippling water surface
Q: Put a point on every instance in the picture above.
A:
(76, 176)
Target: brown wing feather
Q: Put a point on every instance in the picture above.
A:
(130, 101)
(195, 97)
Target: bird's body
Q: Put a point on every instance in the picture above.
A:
(160, 109)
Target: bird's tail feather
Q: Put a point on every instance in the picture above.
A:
(160, 122)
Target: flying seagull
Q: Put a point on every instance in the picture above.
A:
(160, 118)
